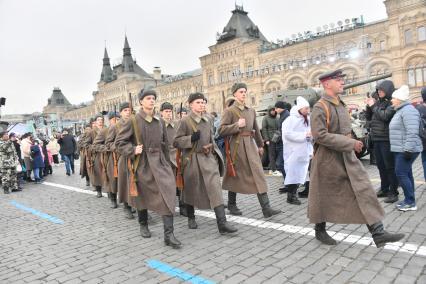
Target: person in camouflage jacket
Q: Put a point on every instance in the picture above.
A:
(8, 163)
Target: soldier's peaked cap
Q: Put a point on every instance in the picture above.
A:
(238, 86)
(124, 105)
(113, 114)
(331, 75)
(147, 92)
(166, 105)
(195, 96)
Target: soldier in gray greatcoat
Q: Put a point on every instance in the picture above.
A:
(340, 189)
(143, 138)
(201, 161)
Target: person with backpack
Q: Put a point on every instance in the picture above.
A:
(38, 161)
(422, 110)
(405, 143)
(340, 189)
(379, 113)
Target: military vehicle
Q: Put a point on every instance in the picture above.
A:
(312, 95)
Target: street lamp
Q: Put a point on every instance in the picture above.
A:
(2, 103)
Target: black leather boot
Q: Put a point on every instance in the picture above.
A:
(169, 237)
(322, 235)
(87, 181)
(6, 191)
(143, 222)
(292, 195)
(191, 217)
(114, 200)
(305, 192)
(266, 207)
(223, 225)
(232, 204)
(381, 237)
(99, 191)
(182, 209)
(128, 211)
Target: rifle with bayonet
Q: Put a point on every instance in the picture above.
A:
(179, 175)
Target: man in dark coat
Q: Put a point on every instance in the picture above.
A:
(283, 110)
(380, 113)
(422, 110)
(68, 147)
(269, 128)
(143, 138)
(200, 158)
(340, 189)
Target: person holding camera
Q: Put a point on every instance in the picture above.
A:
(380, 113)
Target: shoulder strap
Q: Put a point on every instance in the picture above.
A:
(192, 124)
(327, 112)
(236, 112)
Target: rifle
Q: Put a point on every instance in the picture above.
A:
(133, 191)
(114, 154)
(179, 176)
(230, 169)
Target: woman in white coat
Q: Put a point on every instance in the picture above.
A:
(297, 148)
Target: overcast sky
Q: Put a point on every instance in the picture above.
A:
(47, 43)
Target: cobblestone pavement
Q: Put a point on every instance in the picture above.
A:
(96, 244)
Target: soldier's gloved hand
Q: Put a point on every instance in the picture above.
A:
(408, 155)
(195, 136)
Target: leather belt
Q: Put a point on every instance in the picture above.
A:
(246, 133)
(152, 150)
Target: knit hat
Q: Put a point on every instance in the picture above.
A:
(280, 104)
(423, 92)
(183, 109)
(238, 86)
(124, 105)
(301, 102)
(149, 92)
(166, 105)
(402, 94)
(195, 96)
(97, 116)
(113, 114)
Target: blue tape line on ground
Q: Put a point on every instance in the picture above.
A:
(176, 272)
(37, 213)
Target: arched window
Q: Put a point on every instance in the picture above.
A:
(421, 33)
(408, 36)
(416, 72)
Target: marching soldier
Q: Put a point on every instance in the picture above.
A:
(340, 190)
(201, 160)
(94, 172)
(83, 152)
(166, 110)
(143, 138)
(244, 168)
(123, 174)
(111, 158)
(8, 162)
(100, 179)
(182, 112)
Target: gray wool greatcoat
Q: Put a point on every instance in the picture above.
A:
(201, 172)
(123, 173)
(88, 144)
(99, 148)
(109, 156)
(250, 177)
(340, 189)
(156, 184)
